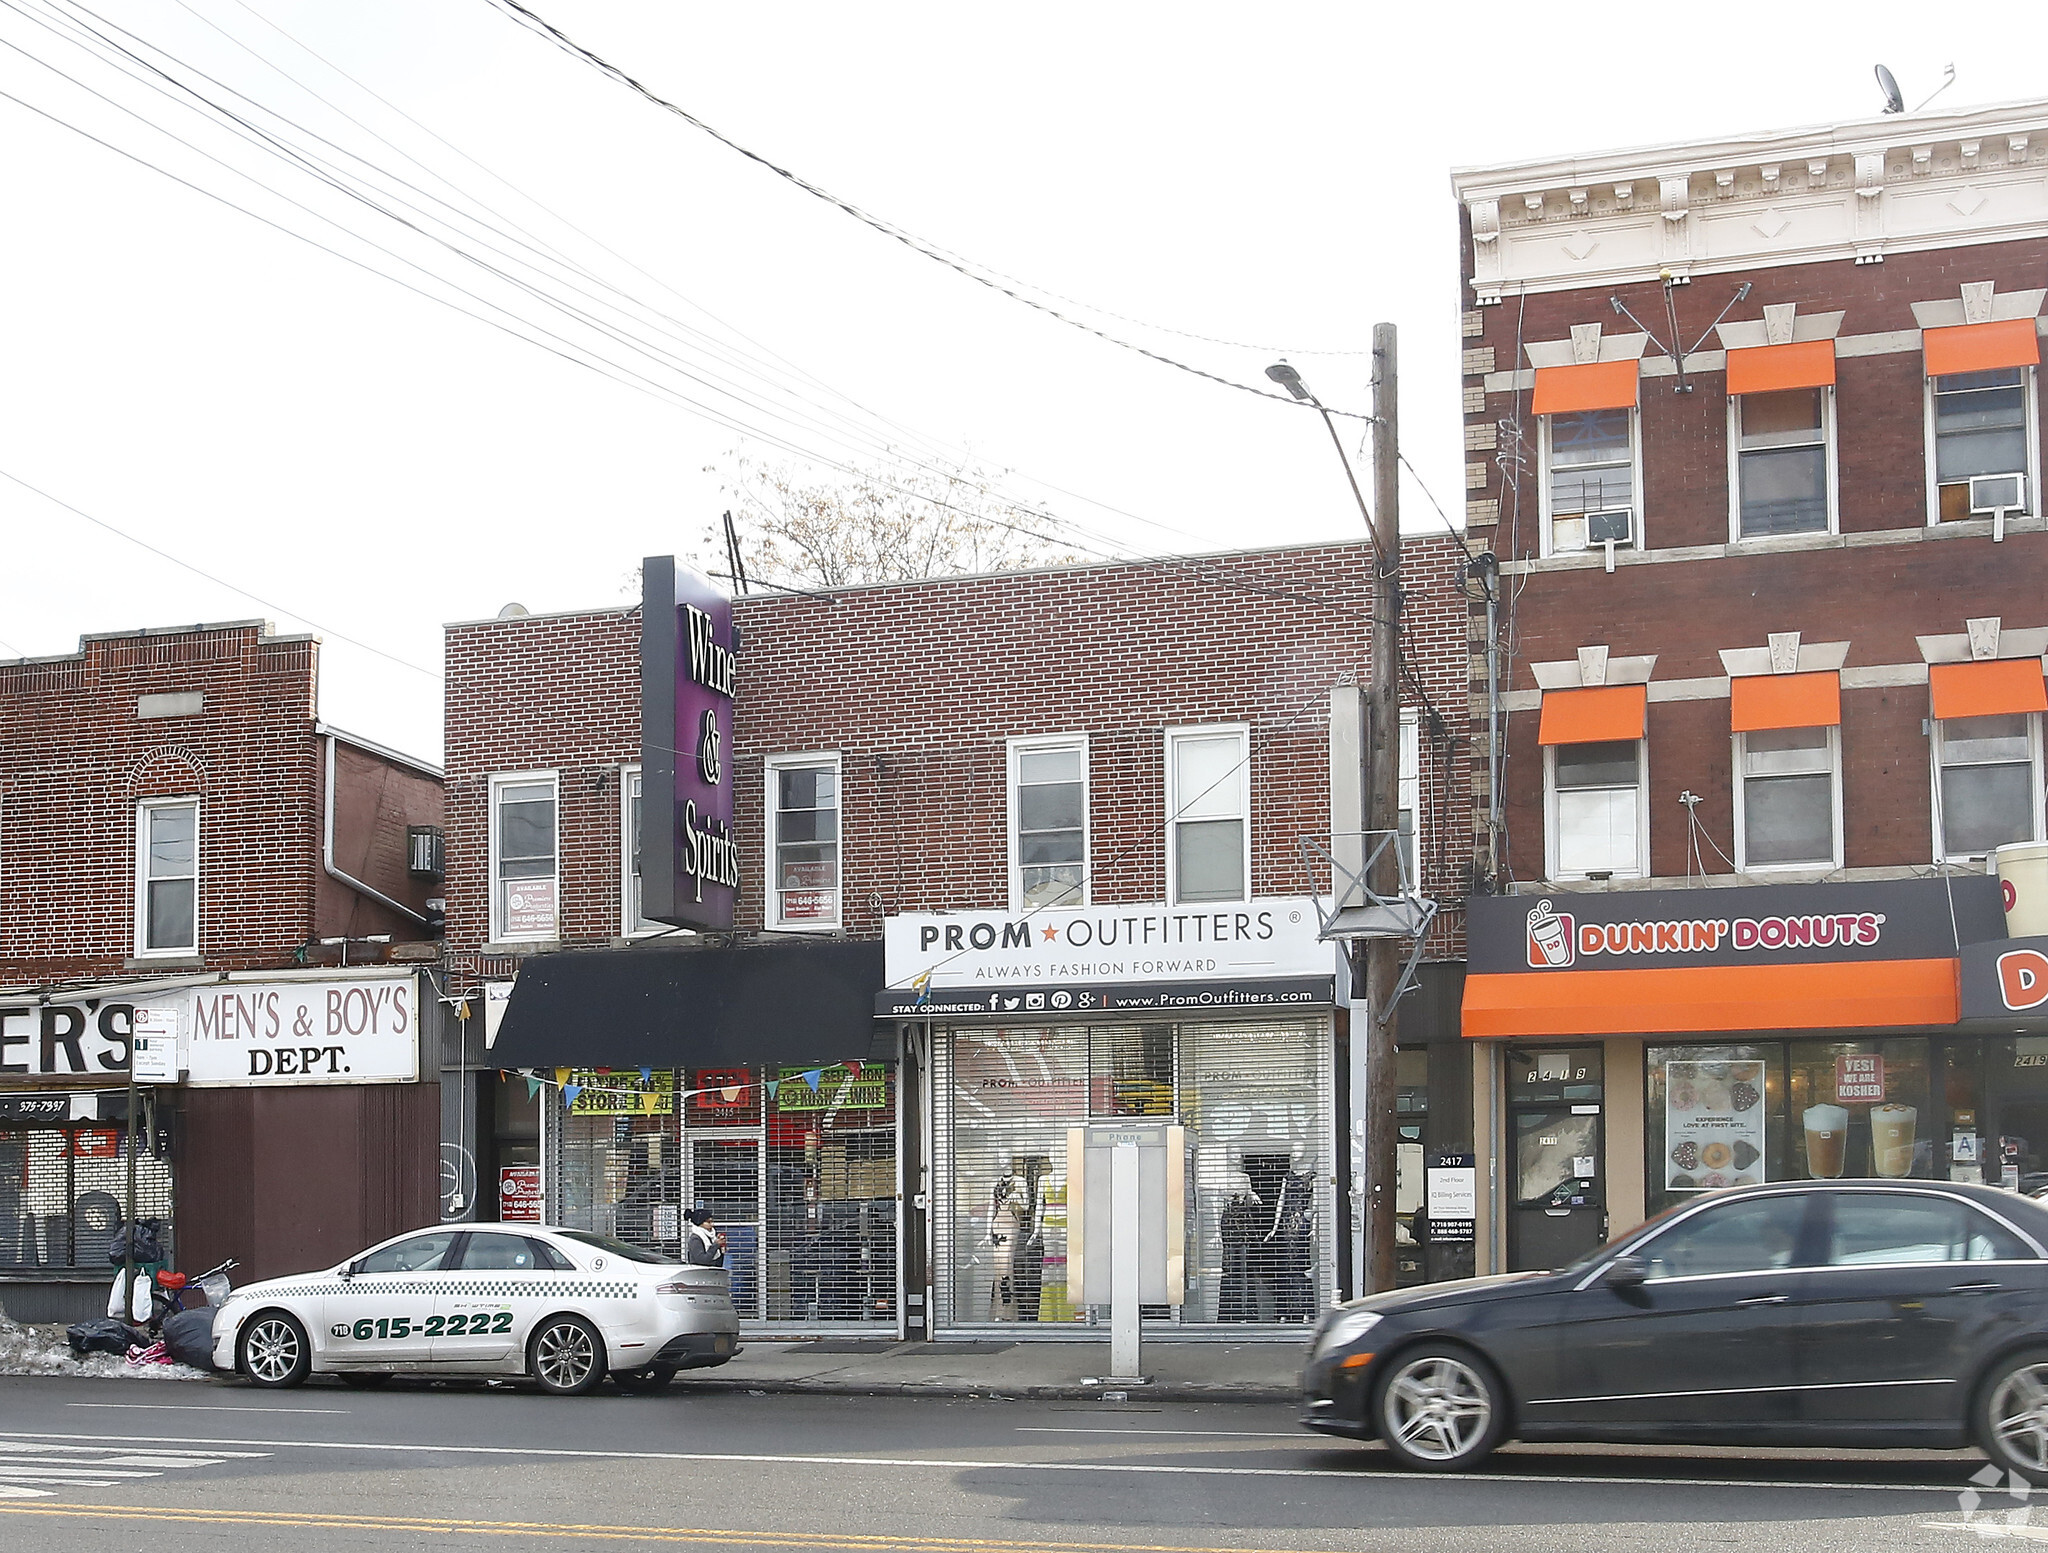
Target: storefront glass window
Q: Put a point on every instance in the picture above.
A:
(797, 1168)
(1860, 1108)
(1254, 1098)
(61, 1191)
(1713, 1116)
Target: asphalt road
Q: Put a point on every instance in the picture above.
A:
(164, 1466)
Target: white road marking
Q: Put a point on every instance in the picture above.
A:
(203, 1407)
(1989, 1529)
(28, 1459)
(950, 1464)
(1300, 1437)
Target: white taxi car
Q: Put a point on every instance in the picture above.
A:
(563, 1306)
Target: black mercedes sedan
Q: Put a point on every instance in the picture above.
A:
(1840, 1313)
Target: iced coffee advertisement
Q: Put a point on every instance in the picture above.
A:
(1713, 1124)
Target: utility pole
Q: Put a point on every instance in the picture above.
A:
(1383, 810)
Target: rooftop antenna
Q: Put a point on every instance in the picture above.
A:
(1894, 101)
(1948, 79)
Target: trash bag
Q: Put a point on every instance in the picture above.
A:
(105, 1335)
(147, 1247)
(188, 1334)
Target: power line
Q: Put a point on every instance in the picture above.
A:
(220, 582)
(980, 275)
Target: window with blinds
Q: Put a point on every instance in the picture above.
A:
(796, 1167)
(1256, 1100)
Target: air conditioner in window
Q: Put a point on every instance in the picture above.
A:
(1993, 496)
(1615, 527)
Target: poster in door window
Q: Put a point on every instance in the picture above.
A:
(1713, 1125)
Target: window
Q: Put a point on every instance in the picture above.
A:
(1208, 813)
(1755, 1236)
(167, 876)
(1411, 788)
(417, 1254)
(1783, 472)
(1788, 799)
(1048, 822)
(525, 882)
(1988, 785)
(501, 1253)
(1589, 467)
(1599, 810)
(630, 920)
(1874, 1228)
(803, 842)
(1979, 422)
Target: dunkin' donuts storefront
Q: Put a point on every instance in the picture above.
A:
(1642, 1046)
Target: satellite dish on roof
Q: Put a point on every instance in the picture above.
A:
(1894, 101)
(512, 612)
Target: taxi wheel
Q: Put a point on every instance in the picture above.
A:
(2011, 1414)
(1439, 1408)
(274, 1350)
(641, 1382)
(367, 1381)
(566, 1356)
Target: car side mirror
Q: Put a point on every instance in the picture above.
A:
(1625, 1272)
(349, 1270)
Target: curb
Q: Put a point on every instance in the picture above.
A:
(992, 1392)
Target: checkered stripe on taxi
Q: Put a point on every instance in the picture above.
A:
(485, 1288)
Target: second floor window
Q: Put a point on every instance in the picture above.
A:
(1589, 469)
(1787, 807)
(1598, 811)
(803, 842)
(525, 863)
(630, 920)
(167, 877)
(1781, 462)
(1208, 808)
(1980, 428)
(1989, 788)
(1049, 823)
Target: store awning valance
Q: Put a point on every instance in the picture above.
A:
(2000, 685)
(1767, 368)
(1598, 385)
(1759, 702)
(1594, 716)
(797, 1004)
(2007, 342)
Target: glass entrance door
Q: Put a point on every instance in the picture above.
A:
(1558, 1205)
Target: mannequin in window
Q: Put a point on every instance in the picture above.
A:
(1268, 1235)
(1014, 1232)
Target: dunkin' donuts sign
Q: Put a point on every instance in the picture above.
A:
(1558, 939)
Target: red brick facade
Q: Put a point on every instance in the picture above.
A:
(919, 686)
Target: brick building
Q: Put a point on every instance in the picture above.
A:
(178, 831)
(1085, 749)
(1754, 429)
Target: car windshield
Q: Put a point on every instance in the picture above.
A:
(605, 1243)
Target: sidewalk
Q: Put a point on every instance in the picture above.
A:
(1181, 1372)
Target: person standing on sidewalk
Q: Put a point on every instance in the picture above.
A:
(704, 1245)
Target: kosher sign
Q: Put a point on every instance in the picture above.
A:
(1073, 947)
(690, 870)
(302, 1032)
(1894, 919)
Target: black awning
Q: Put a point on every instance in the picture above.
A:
(798, 1004)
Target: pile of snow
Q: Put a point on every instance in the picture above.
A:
(42, 1350)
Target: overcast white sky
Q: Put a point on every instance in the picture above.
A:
(368, 459)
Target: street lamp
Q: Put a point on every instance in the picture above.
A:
(1289, 379)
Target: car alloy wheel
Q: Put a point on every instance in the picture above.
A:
(1439, 1409)
(568, 1356)
(274, 1351)
(2013, 1426)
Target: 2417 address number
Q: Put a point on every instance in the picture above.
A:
(388, 1327)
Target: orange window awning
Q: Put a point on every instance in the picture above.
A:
(2002, 685)
(1767, 368)
(1596, 716)
(2009, 342)
(1599, 385)
(1758, 702)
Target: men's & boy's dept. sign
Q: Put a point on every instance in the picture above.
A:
(690, 871)
(1753, 957)
(301, 1032)
(1259, 953)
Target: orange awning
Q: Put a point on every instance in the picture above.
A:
(2010, 342)
(1988, 689)
(1600, 385)
(1593, 716)
(1843, 994)
(1757, 702)
(1803, 364)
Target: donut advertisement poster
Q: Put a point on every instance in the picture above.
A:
(1713, 1124)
